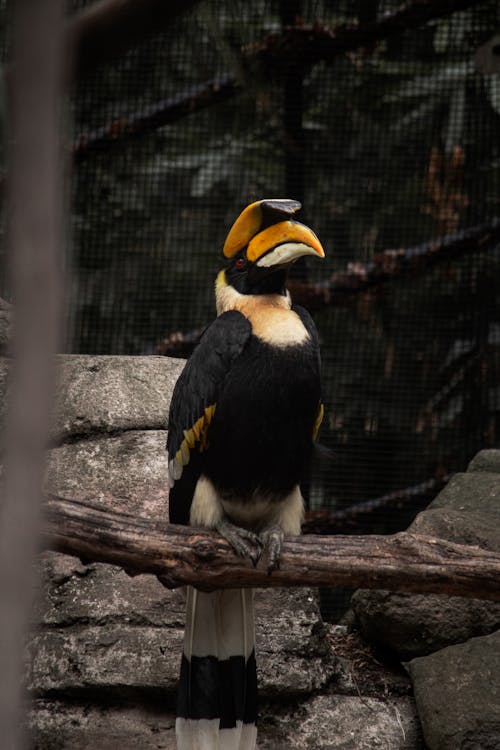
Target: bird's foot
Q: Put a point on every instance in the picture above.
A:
(272, 539)
(244, 542)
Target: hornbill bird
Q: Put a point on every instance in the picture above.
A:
(244, 414)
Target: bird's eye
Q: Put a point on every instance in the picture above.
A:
(240, 263)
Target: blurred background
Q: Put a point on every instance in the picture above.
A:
(384, 121)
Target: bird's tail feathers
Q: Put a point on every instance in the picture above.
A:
(218, 686)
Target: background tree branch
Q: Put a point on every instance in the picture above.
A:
(345, 286)
(161, 113)
(111, 26)
(108, 28)
(317, 43)
(181, 555)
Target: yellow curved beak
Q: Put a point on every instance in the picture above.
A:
(283, 243)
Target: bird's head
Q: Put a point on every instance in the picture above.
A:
(263, 243)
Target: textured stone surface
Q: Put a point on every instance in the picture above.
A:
(457, 691)
(476, 491)
(99, 594)
(335, 722)
(486, 460)
(464, 527)
(108, 637)
(293, 653)
(105, 394)
(457, 687)
(329, 722)
(57, 725)
(467, 511)
(103, 630)
(409, 625)
(131, 466)
(115, 658)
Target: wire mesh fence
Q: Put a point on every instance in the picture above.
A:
(384, 123)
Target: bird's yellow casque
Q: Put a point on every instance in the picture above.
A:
(248, 230)
(244, 415)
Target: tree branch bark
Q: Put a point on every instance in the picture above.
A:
(331, 522)
(109, 27)
(346, 285)
(162, 113)
(311, 44)
(390, 264)
(181, 555)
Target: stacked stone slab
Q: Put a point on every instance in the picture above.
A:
(452, 644)
(103, 660)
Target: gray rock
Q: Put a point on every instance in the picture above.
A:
(107, 394)
(457, 691)
(101, 595)
(130, 467)
(57, 725)
(485, 460)
(409, 625)
(103, 630)
(293, 654)
(115, 659)
(328, 722)
(334, 722)
(475, 491)
(474, 528)
(467, 511)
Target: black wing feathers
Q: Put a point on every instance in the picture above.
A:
(196, 392)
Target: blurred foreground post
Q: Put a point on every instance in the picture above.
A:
(35, 212)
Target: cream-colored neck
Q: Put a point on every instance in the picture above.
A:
(270, 315)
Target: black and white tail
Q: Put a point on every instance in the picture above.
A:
(216, 708)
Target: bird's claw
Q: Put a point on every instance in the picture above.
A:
(245, 543)
(251, 546)
(272, 539)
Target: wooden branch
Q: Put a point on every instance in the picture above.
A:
(95, 39)
(390, 264)
(310, 44)
(180, 555)
(331, 522)
(107, 28)
(156, 116)
(344, 286)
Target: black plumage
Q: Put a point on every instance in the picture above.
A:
(266, 403)
(243, 419)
